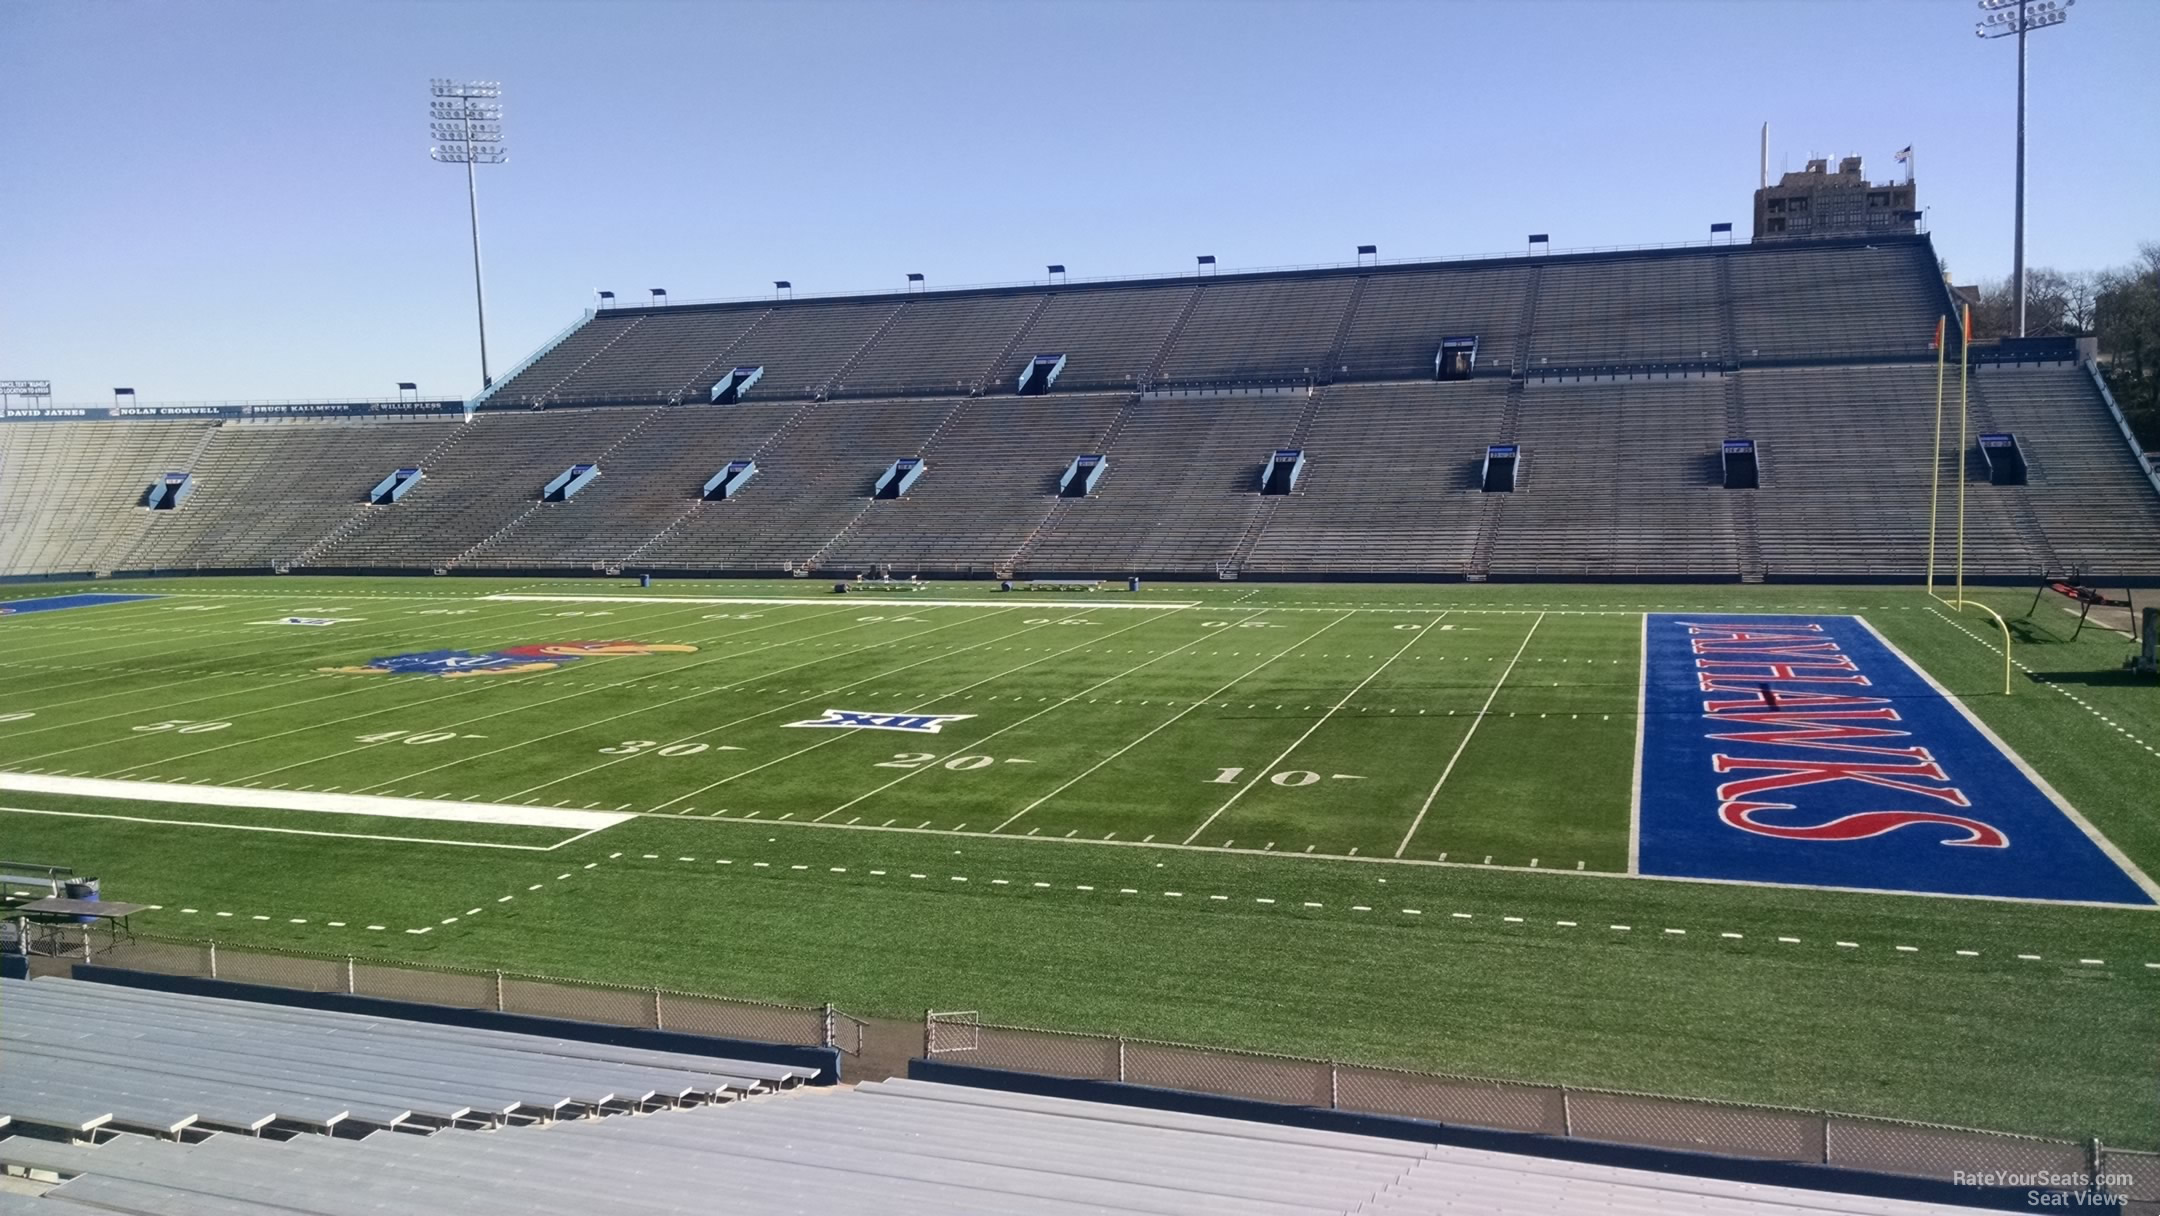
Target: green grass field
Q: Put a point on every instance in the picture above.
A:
(1384, 823)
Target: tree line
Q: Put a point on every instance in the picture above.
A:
(2119, 306)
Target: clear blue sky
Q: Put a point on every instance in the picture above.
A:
(234, 200)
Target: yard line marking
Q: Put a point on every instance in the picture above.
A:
(1057, 705)
(387, 633)
(836, 736)
(811, 696)
(1171, 720)
(1322, 721)
(1465, 743)
(405, 706)
(646, 708)
(358, 688)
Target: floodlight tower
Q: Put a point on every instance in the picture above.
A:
(468, 131)
(2004, 18)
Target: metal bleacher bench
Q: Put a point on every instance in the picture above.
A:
(1063, 584)
(44, 880)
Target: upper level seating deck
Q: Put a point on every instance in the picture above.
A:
(645, 484)
(1108, 336)
(1626, 313)
(2096, 508)
(1260, 329)
(993, 479)
(1618, 479)
(1808, 300)
(537, 381)
(803, 346)
(938, 344)
(1802, 300)
(812, 481)
(69, 491)
(1182, 488)
(1403, 316)
(660, 362)
(1391, 482)
(266, 491)
(478, 483)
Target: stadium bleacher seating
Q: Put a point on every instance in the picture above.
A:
(266, 491)
(69, 490)
(1619, 374)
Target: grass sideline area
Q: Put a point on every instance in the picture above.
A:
(1103, 843)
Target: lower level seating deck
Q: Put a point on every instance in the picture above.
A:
(1182, 488)
(1846, 477)
(1616, 479)
(992, 481)
(2096, 509)
(479, 482)
(892, 1148)
(70, 491)
(264, 492)
(652, 479)
(813, 480)
(1391, 482)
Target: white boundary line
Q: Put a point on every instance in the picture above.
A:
(2106, 846)
(249, 827)
(1464, 745)
(1262, 773)
(1642, 705)
(1170, 721)
(315, 801)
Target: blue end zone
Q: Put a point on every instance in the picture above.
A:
(1803, 750)
(53, 603)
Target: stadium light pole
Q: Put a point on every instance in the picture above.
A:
(467, 128)
(2004, 18)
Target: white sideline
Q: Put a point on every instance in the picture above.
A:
(1070, 602)
(301, 800)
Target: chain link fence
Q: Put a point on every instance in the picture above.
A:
(1888, 1146)
(501, 991)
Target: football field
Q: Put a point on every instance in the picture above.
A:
(1478, 828)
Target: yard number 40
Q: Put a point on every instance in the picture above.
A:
(185, 726)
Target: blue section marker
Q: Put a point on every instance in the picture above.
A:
(53, 603)
(1805, 750)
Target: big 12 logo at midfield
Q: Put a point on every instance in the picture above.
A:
(925, 724)
(510, 661)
